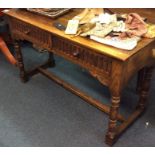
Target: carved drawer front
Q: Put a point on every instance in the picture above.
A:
(21, 30)
(81, 55)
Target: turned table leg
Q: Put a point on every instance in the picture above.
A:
(115, 90)
(140, 78)
(23, 76)
(144, 86)
(51, 61)
(115, 130)
(111, 133)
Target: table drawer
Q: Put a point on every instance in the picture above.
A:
(86, 58)
(31, 33)
(81, 55)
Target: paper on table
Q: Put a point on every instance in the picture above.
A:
(127, 44)
(72, 27)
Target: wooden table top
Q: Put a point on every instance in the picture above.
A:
(46, 23)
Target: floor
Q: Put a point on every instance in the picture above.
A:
(41, 113)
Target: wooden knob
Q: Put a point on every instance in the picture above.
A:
(76, 54)
(27, 31)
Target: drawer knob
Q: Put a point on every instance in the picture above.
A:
(76, 54)
(27, 31)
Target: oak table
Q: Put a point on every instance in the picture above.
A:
(111, 66)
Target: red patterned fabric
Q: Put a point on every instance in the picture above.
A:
(135, 26)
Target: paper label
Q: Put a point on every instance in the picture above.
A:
(72, 27)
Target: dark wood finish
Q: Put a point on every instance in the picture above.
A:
(111, 66)
(147, 13)
(19, 56)
(145, 85)
(74, 90)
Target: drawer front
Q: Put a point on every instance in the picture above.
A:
(87, 58)
(22, 30)
(81, 55)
